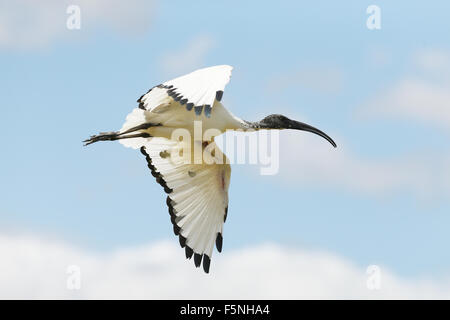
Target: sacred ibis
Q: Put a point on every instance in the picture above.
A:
(197, 192)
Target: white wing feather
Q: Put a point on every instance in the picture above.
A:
(195, 90)
(197, 193)
(197, 197)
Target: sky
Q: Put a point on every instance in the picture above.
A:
(382, 198)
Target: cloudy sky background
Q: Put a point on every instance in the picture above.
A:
(381, 198)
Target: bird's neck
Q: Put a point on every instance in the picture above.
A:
(254, 125)
(228, 121)
(247, 125)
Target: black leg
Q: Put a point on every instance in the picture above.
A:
(143, 126)
(112, 136)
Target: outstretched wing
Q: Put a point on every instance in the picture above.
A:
(197, 195)
(196, 90)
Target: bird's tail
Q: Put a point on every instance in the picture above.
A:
(132, 133)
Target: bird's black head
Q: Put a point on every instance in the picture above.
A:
(275, 121)
(278, 121)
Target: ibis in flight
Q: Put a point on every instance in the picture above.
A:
(197, 190)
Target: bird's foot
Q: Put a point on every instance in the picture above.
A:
(102, 136)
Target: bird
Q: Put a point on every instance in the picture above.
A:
(197, 192)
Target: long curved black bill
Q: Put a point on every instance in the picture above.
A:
(306, 127)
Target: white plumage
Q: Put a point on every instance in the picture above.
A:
(198, 197)
(197, 192)
(196, 89)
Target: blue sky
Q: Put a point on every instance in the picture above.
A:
(313, 61)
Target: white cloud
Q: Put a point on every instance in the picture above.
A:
(311, 160)
(28, 24)
(188, 58)
(422, 96)
(36, 268)
(432, 60)
(414, 99)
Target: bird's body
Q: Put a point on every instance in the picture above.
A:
(197, 190)
(172, 117)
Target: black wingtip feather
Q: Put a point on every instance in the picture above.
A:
(182, 241)
(206, 263)
(176, 229)
(197, 259)
(208, 111)
(219, 242)
(219, 95)
(226, 214)
(189, 252)
(198, 110)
